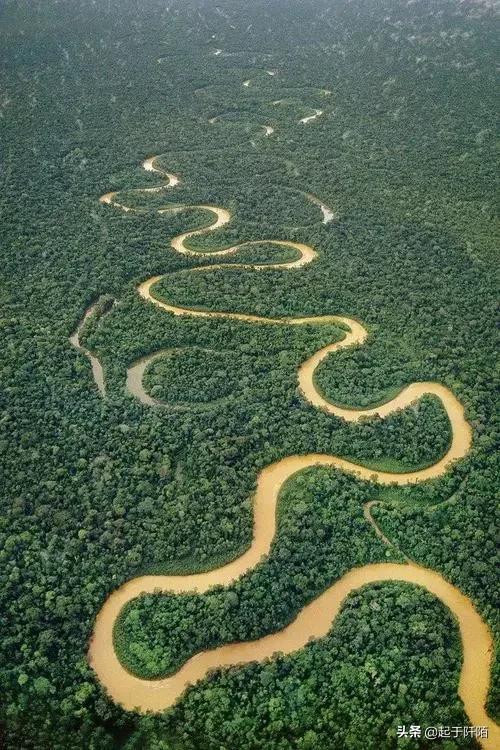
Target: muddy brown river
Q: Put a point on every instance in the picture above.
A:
(97, 370)
(316, 618)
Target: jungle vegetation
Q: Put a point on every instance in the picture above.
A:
(96, 491)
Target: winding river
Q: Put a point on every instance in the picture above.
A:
(316, 618)
(328, 214)
(97, 371)
(317, 113)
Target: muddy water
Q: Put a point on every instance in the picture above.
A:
(135, 375)
(109, 198)
(316, 618)
(222, 216)
(317, 113)
(97, 370)
(314, 621)
(461, 431)
(367, 512)
(148, 165)
(328, 214)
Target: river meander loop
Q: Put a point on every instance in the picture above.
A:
(316, 618)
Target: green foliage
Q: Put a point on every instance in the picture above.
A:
(392, 658)
(195, 375)
(95, 491)
(320, 513)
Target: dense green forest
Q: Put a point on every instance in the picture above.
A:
(95, 491)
